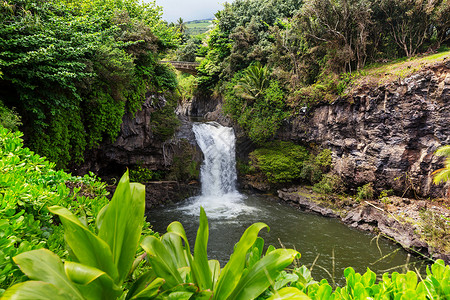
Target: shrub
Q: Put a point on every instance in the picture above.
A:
(256, 102)
(329, 184)
(142, 174)
(9, 118)
(365, 192)
(280, 161)
(435, 228)
(28, 185)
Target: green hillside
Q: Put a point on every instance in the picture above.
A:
(198, 26)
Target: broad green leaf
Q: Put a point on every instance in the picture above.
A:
(174, 244)
(231, 273)
(88, 248)
(324, 291)
(121, 224)
(150, 291)
(369, 278)
(43, 265)
(35, 290)
(141, 283)
(290, 293)
(284, 280)
(162, 262)
(180, 295)
(81, 274)
(93, 283)
(177, 228)
(255, 252)
(259, 277)
(214, 267)
(411, 280)
(202, 273)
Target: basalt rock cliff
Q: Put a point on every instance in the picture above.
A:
(386, 135)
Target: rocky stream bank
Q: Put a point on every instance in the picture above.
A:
(403, 220)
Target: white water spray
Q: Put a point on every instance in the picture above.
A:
(219, 197)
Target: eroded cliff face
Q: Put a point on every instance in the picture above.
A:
(137, 144)
(386, 135)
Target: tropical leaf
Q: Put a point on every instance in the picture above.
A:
(121, 224)
(93, 283)
(232, 272)
(45, 266)
(150, 291)
(88, 248)
(289, 293)
(254, 81)
(443, 174)
(201, 270)
(35, 290)
(162, 262)
(258, 278)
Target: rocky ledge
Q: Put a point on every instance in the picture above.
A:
(400, 219)
(386, 135)
(158, 193)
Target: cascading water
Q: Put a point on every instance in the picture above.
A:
(218, 176)
(218, 171)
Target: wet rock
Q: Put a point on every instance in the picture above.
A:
(167, 192)
(305, 203)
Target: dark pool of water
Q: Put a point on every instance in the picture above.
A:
(331, 245)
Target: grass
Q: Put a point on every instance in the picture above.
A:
(198, 26)
(380, 74)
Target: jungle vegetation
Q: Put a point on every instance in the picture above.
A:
(71, 69)
(310, 50)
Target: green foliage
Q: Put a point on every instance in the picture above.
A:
(280, 161)
(28, 185)
(436, 285)
(72, 69)
(283, 162)
(164, 121)
(187, 85)
(184, 166)
(142, 174)
(103, 261)
(246, 275)
(443, 174)
(435, 228)
(188, 52)
(253, 82)
(9, 118)
(365, 192)
(329, 184)
(256, 102)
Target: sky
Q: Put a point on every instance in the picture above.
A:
(189, 10)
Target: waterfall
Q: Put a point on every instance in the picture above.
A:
(218, 171)
(219, 197)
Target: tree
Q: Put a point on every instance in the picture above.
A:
(255, 79)
(409, 21)
(181, 25)
(441, 22)
(343, 26)
(72, 69)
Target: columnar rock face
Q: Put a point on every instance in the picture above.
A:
(385, 135)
